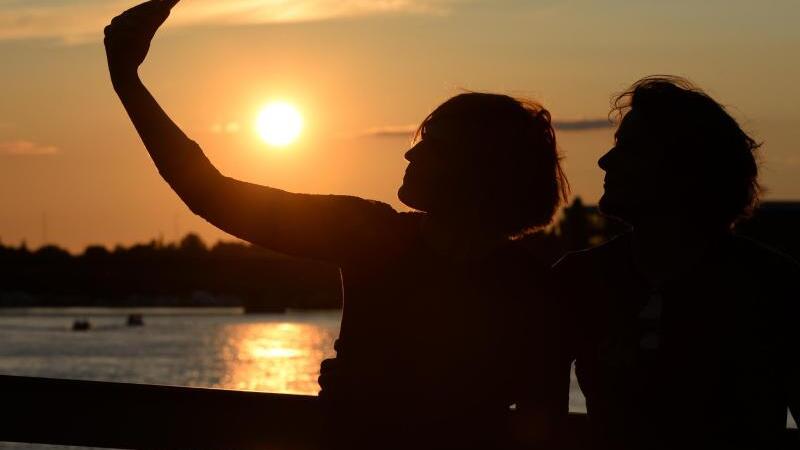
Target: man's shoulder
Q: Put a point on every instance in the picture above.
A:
(768, 278)
(756, 256)
(608, 252)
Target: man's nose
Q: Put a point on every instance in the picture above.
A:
(605, 161)
(411, 154)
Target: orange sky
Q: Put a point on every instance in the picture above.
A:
(70, 159)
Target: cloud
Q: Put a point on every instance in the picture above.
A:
(407, 131)
(80, 21)
(583, 124)
(404, 131)
(226, 128)
(24, 148)
(269, 11)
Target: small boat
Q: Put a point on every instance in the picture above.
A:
(135, 320)
(81, 325)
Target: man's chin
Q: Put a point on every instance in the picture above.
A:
(616, 210)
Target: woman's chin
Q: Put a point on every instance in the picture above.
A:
(411, 200)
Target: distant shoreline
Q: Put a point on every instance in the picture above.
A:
(122, 311)
(157, 311)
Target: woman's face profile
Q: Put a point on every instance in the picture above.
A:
(436, 178)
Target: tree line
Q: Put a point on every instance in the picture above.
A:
(191, 273)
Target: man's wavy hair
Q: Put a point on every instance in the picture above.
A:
(511, 145)
(705, 145)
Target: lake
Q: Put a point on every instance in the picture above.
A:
(219, 348)
(207, 348)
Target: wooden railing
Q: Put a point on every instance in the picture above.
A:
(136, 416)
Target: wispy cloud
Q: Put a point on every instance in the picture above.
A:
(407, 131)
(390, 131)
(26, 148)
(226, 128)
(583, 124)
(83, 20)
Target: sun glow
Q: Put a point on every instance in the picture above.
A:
(274, 357)
(279, 124)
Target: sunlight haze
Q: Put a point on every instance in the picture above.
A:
(362, 74)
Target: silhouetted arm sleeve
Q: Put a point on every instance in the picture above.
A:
(794, 388)
(334, 228)
(544, 403)
(567, 275)
(792, 378)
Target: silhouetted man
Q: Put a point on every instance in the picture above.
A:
(685, 335)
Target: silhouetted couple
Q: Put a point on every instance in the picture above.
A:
(681, 332)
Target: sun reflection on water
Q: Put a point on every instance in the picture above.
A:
(274, 357)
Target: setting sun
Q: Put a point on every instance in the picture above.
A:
(279, 124)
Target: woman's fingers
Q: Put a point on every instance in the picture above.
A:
(127, 38)
(143, 21)
(169, 4)
(148, 7)
(152, 13)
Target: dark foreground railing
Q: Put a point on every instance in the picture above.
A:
(135, 416)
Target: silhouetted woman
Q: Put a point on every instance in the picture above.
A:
(439, 324)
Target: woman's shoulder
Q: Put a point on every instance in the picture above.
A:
(515, 261)
(411, 219)
(387, 232)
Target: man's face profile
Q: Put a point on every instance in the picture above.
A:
(634, 183)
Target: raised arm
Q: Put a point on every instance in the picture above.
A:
(327, 227)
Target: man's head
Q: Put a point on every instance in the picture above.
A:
(678, 152)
